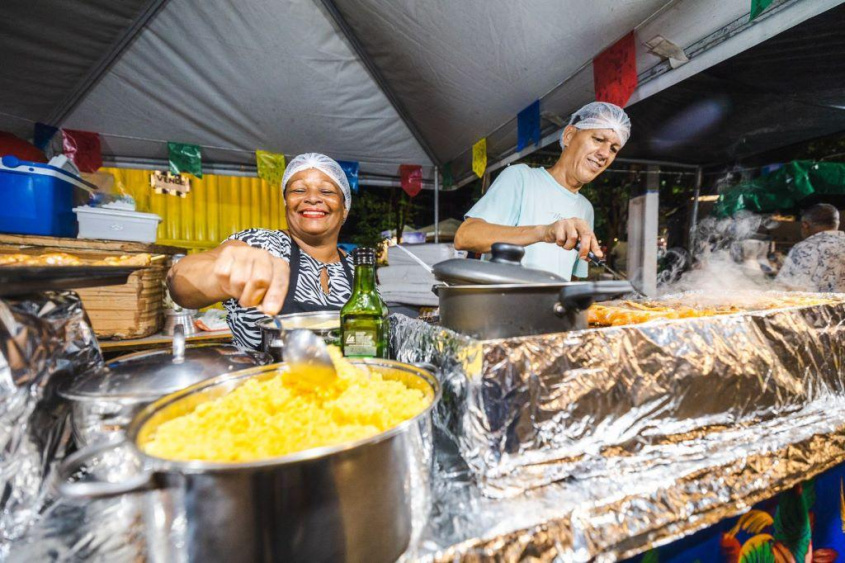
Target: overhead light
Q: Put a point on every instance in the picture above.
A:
(663, 48)
(713, 197)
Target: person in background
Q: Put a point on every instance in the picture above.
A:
(817, 263)
(541, 208)
(260, 272)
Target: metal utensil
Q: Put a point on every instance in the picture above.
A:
(601, 262)
(308, 357)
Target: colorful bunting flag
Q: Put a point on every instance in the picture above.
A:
(185, 159)
(615, 72)
(528, 126)
(351, 170)
(411, 175)
(479, 157)
(42, 135)
(271, 167)
(757, 8)
(448, 179)
(83, 149)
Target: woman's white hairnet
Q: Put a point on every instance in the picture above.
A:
(602, 115)
(324, 164)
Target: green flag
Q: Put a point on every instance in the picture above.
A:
(448, 180)
(271, 167)
(185, 159)
(757, 7)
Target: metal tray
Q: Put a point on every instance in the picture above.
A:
(22, 280)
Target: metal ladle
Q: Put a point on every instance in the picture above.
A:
(308, 357)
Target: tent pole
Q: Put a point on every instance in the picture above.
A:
(376, 74)
(694, 222)
(99, 70)
(436, 205)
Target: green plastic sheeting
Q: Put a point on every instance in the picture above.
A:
(185, 159)
(783, 189)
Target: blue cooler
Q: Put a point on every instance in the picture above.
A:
(37, 199)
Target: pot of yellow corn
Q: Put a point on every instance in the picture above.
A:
(266, 464)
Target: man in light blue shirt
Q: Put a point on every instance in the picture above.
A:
(540, 208)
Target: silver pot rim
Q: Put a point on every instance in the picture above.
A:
(507, 286)
(189, 467)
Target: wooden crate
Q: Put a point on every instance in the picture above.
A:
(131, 310)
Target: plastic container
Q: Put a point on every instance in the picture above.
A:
(37, 199)
(116, 224)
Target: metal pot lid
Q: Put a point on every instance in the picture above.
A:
(146, 376)
(505, 267)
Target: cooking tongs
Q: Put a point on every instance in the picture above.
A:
(596, 261)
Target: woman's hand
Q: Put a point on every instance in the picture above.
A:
(252, 276)
(568, 232)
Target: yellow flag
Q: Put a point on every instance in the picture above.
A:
(479, 157)
(271, 166)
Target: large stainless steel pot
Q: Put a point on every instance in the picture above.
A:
(501, 299)
(350, 502)
(104, 401)
(325, 324)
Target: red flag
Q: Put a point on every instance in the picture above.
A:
(83, 148)
(615, 72)
(411, 178)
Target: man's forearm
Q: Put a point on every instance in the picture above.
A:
(479, 236)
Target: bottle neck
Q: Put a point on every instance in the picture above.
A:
(365, 279)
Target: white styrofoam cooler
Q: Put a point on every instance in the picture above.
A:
(116, 224)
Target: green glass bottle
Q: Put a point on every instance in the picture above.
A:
(363, 319)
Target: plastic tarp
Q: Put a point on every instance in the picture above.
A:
(284, 76)
(783, 189)
(47, 49)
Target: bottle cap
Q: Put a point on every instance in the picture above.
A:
(364, 256)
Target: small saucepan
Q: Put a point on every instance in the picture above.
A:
(325, 324)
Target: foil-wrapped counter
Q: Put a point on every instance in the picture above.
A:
(597, 444)
(530, 411)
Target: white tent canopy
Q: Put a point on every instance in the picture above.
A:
(382, 82)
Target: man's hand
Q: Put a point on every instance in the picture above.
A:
(568, 232)
(253, 276)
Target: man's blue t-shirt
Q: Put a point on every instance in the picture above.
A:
(525, 196)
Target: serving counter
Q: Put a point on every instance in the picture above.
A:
(600, 444)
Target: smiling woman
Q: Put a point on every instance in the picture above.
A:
(260, 272)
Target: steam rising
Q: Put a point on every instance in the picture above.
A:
(730, 264)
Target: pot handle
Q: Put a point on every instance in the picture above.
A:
(579, 297)
(506, 253)
(143, 481)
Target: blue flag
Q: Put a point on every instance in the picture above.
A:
(42, 135)
(351, 169)
(528, 126)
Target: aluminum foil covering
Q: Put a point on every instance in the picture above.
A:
(531, 411)
(43, 340)
(593, 445)
(599, 444)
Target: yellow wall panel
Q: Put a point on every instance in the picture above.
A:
(216, 207)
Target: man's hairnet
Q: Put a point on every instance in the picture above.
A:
(602, 115)
(324, 164)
